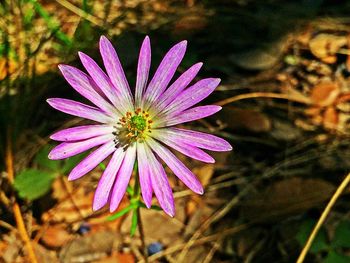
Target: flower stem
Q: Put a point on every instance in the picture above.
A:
(136, 198)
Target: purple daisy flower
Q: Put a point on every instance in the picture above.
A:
(136, 127)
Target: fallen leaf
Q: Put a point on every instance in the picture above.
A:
(56, 236)
(324, 46)
(287, 197)
(89, 247)
(246, 119)
(325, 93)
(330, 118)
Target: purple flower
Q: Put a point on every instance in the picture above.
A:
(136, 127)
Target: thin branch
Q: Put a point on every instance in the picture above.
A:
(322, 218)
(81, 13)
(16, 209)
(262, 95)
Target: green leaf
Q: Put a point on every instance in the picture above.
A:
(121, 212)
(32, 184)
(334, 257)
(42, 159)
(342, 235)
(134, 222)
(320, 241)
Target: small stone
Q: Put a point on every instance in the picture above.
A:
(154, 248)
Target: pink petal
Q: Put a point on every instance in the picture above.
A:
(177, 87)
(79, 109)
(160, 184)
(184, 148)
(188, 115)
(91, 161)
(103, 82)
(115, 71)
(81, 132)
(179, 169)
(83, 84)
(106, 182)
(193, 95)
(68, 149)
(143, 70)
(164, 73)
(123, 178)
(144, 174)
(195, 138)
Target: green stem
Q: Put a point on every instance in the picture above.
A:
(137, 213)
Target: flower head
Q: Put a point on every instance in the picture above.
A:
(136, 126)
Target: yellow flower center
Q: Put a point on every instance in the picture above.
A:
(133, 127)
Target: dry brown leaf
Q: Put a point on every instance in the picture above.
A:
(330, 118)
(90, 247)
(325, 46)
(287, 197)
(117, 257)
(66, 211)
(56, 236)
(325, 93)
(204, 173)
(313, 111)
(251, 120)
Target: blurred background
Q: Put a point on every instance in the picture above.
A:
(285, 92)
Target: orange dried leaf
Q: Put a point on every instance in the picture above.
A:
(325, 93)
(330, 118)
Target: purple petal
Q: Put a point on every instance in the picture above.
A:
(164, 73)
(91, 161)
(188, 115)
(123, 178)
(179, 169)
(195, 138)
(81, 132)
(115, 70)
(144, 174)
(177, 87)
(143, 70)
(184, 148)
(103, 82)
(68, 149)
(106, 182)
(193, 95)
(83, 84)
(160, 184)
(79, 109)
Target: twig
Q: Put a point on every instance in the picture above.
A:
(212, 219)
(212, 251)
(199, 241)
(16, 209)
(80, 12)
(261, 95)
(142, 235)
(322, 218)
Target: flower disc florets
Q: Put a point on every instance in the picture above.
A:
(133, 127)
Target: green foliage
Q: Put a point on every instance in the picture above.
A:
(334, 257)
(320, 241)
(342, 235)
(32, 184)
(340, 240)
(52, 24)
